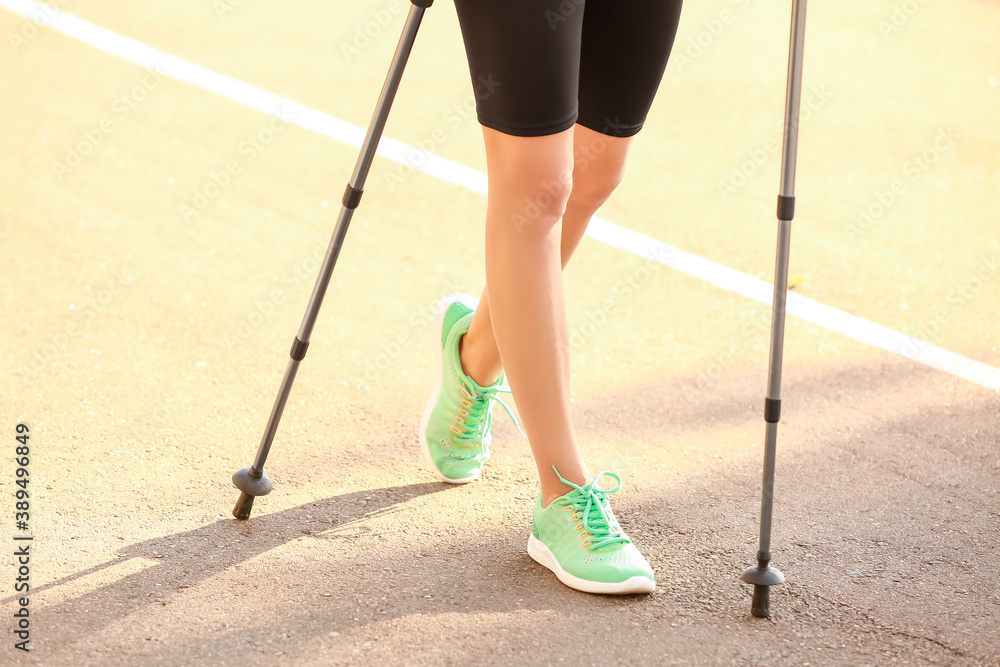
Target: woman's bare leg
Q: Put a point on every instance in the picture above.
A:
(599, 164)
(522, 314)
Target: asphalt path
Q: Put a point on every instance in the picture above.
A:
(160, 241)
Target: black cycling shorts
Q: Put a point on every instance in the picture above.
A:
(540, 66)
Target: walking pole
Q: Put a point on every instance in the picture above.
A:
(252, 481)
(763, 576)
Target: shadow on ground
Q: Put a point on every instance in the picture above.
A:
(884, 528)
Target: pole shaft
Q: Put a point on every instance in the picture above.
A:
(272, 422)
(351, 199)
(793, 95)
(767, 487)
(363, 166)
(778, 307)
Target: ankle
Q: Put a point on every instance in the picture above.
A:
(553, 489)
(552, 495)
(483, 374)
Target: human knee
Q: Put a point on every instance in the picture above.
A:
(543, 202)
(592, 187)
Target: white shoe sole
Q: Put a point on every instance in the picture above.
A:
(437, 323)
(542, 555)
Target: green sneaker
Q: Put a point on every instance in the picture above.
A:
(455, 429)
(578, 537)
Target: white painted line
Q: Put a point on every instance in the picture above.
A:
(256, 98)
(800, 306)
(607, 232)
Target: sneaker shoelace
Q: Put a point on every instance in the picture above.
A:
(592, 507)
(475, 415)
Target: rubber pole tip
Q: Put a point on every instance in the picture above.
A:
(761, 605)
(243, 506)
